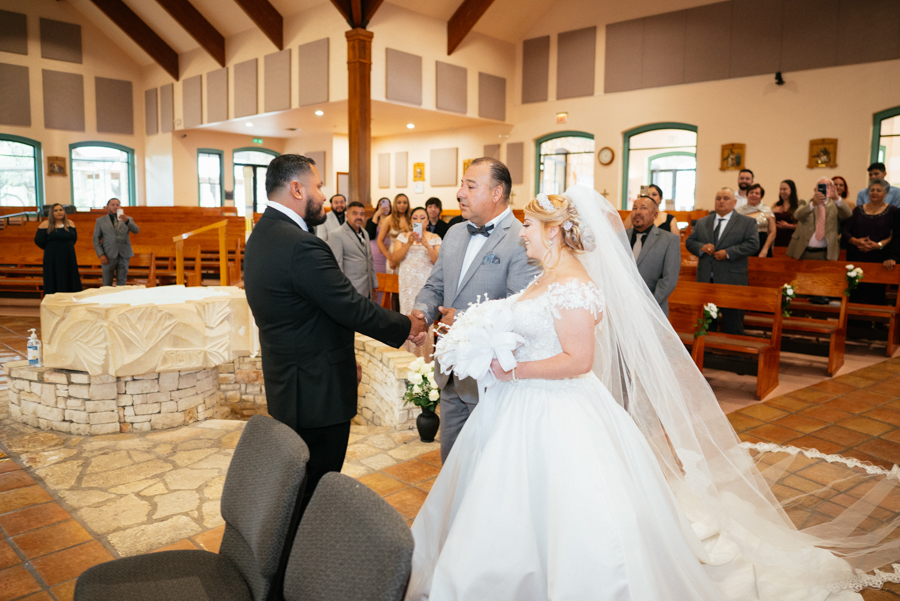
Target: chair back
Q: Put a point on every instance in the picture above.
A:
(350, 545)
(260, 501)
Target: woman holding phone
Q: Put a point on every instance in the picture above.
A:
(414, 253)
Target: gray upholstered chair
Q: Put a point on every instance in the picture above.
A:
(261, 510)
(350, 546)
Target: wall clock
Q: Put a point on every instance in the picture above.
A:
(606, 155)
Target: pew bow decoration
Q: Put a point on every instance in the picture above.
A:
(854, 275)
(710, 312)
(787, 295)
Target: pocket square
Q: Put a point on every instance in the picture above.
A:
(491, 259)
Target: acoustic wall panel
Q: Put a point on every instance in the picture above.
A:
(115, 106)
(862, 38)
(15, 96)
(491, 97)
(217, 95)
(623, 70)
(452, 87)
(576, 53)
(756, 37)
(61, 41)
(245, 89)
(277, 93)
(515, 162)
(192, 102)
(443, 167)
(167, 108)
(806, 25)
(312, 59)
(535, 69)
(707, 36)
(663, 50)
(13, 32)
(404, 77)
(63, 100)
(492, 151)
(384, 170)
(401, 169)
(318, 156)
(151, 111)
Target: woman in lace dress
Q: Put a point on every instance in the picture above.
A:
(414, 255)
(554, 491)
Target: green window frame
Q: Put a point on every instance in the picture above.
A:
(626, 148)
(221, 155)
(38, 165)
(132, 196)
(537, 151)
(876, 130)
(235, 164)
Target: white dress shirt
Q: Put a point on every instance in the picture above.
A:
(476, 243)
(290, 213)
(722, 225)
(740, 197)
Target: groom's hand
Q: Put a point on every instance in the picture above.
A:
(418, 329)
(447, 316)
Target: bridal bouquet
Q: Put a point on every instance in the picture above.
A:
(482, 333)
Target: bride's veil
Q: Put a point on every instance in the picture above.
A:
(739, 504)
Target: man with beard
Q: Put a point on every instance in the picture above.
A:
(307, 311)
(334, 219)
(745, 180)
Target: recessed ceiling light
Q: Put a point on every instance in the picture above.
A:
(319, 113)
(248, 124)
(410, 126)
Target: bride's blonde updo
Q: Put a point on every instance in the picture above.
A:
(556, 210)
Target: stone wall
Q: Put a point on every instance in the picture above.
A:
(241, 382)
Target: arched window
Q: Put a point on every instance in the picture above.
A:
(664, 154)
(100, 171)
(886, 142)
(210, 177)
(257, 159)
(563, 159)
(21, 181)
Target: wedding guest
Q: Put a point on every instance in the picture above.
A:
(394, 224)
(436, 225)
(892, 193)
(868, 233)
(818, 232)
(373, 228)
(765, 218)
(656, 251)
(840, 184)
(57, 237)
(784, 209)
(112, 242)
(745, 180)
(352, 250)
(663, 221)
(454, 220)
(415, 255)
(335, 218)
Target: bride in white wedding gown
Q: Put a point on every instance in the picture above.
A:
(554, 491)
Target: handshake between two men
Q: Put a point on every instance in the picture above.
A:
(419, 329)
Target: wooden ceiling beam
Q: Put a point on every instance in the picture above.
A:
(133, 26)
(196, 24)
(371, 7)
(463, 20)
(267, 18)
(357, 13)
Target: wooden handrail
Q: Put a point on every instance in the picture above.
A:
(223, 252)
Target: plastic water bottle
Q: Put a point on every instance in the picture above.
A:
(34, 349)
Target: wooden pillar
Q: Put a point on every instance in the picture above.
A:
(359, 112)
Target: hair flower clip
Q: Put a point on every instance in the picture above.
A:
(567, 225)
(545, 202)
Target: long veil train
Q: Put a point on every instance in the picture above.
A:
(743, 500)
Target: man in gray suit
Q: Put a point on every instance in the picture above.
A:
(350, 245)
(723, 240)
(482, 257)
(334, 219)
(112, 242)
(657, 252)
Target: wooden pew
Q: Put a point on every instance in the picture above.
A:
(389, 285)
(688, 300)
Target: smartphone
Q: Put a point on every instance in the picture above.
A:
(645, 190)
(417, 229)
(120, 212)
(823, 189)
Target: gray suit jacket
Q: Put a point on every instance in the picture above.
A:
(354, 259)
(659, 264)
(806, 227)
(499, 270)
(113, 242)
(740, 240)
(331, 224)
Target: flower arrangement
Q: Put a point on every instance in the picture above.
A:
(787, 295)
(854, 275)
(421, 389)
(710, 312)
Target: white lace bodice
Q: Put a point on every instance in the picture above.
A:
(535, 317)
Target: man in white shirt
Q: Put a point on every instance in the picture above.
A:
(745, 180)
(334, 219)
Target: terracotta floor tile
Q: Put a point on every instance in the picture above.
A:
(891, 387)
(763, 412)
(826, 414)
(826, 473)
(41, 596)
(412, 471)
(30, 518)
(882, 449)
(17, 582)
(811, 396)
(8, 557)
(814, 442)
(854, 381)
(434, 458)
(210, 541)
(51, 539)
(884, 414)
(749, 438)
(867, 395)
(407, 502)
(773, 433)
(65, 591)
(22, 497)
(68, 564)
(801, 423)
(789, 403)
(426, 486)
(874, 372)
(832, 386)
(849, 405)
(182, 545)
(741, 422)
(863, 456)
(865, 425)
(892, 436)
(8, 465)
(382, 483)
(16, 479)
(842, 436)
(879, 595)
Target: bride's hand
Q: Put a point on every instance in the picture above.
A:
(503, 376)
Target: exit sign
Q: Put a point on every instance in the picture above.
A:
(257, 140)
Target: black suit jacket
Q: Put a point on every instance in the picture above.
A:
(440, 228)
(307, 312)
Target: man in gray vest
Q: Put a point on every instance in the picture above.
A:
(112, 242)
(350, 245)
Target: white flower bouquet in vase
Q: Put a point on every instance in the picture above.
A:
(422, 391)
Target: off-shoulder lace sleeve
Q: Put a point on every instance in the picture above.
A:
(576, 294)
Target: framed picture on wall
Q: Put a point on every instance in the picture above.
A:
(734, 157)
(418, 172)
(466, 163)
(56, 166)
(822, 153)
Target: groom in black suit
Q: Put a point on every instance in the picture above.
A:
(307, 311)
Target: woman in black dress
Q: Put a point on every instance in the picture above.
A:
(57, 236)
(785, 224)
(868, 234)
